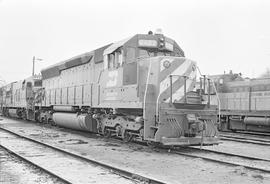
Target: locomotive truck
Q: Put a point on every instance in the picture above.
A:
(141, 87)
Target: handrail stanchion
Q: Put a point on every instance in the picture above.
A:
(204, 81)
(209, 88)
(171, 89)
(185, 89)
(200, 86)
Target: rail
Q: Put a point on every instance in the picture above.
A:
(120, 171)
(208, 155)
(35, 165)
(198, 153)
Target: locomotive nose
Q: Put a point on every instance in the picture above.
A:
(176, 66)
(173, 75)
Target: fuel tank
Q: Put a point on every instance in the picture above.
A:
(258, 121)
(63, 108)
(74, 121)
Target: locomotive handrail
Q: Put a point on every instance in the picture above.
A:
(99, 76)
(147, 82)
(215, 91)
(217, 99)
(157, 104)
(170, 76)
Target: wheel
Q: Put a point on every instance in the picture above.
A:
(107, 133)
(38, 118)
(118, 130)
(127, 137)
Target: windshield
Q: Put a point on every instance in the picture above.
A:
(38, 83)
(143, 53)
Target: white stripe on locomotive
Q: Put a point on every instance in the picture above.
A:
(180, 70)
(180, 92)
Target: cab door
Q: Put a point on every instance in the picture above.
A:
(130, 67)
(29, 91)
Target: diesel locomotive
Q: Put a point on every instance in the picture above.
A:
(244, 103)
(17, 98)
(140, 88)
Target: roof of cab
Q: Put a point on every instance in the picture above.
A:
(116, 45)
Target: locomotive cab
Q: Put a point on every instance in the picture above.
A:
(127, 53)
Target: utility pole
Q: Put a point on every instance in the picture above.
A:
(34, 60)
(33, 68)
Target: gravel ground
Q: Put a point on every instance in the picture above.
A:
(142, 160)
(15, 171)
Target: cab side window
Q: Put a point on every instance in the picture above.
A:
(115, 59)
(118, 57)
(143, 53)
(110, 61)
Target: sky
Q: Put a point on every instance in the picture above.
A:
(220, 35)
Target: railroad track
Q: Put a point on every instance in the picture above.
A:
(223, 157)
(251, 163)
(34, 152)
(245, 139)
(259, 135)
(265, 134)
(18, 156)
(12, 164)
